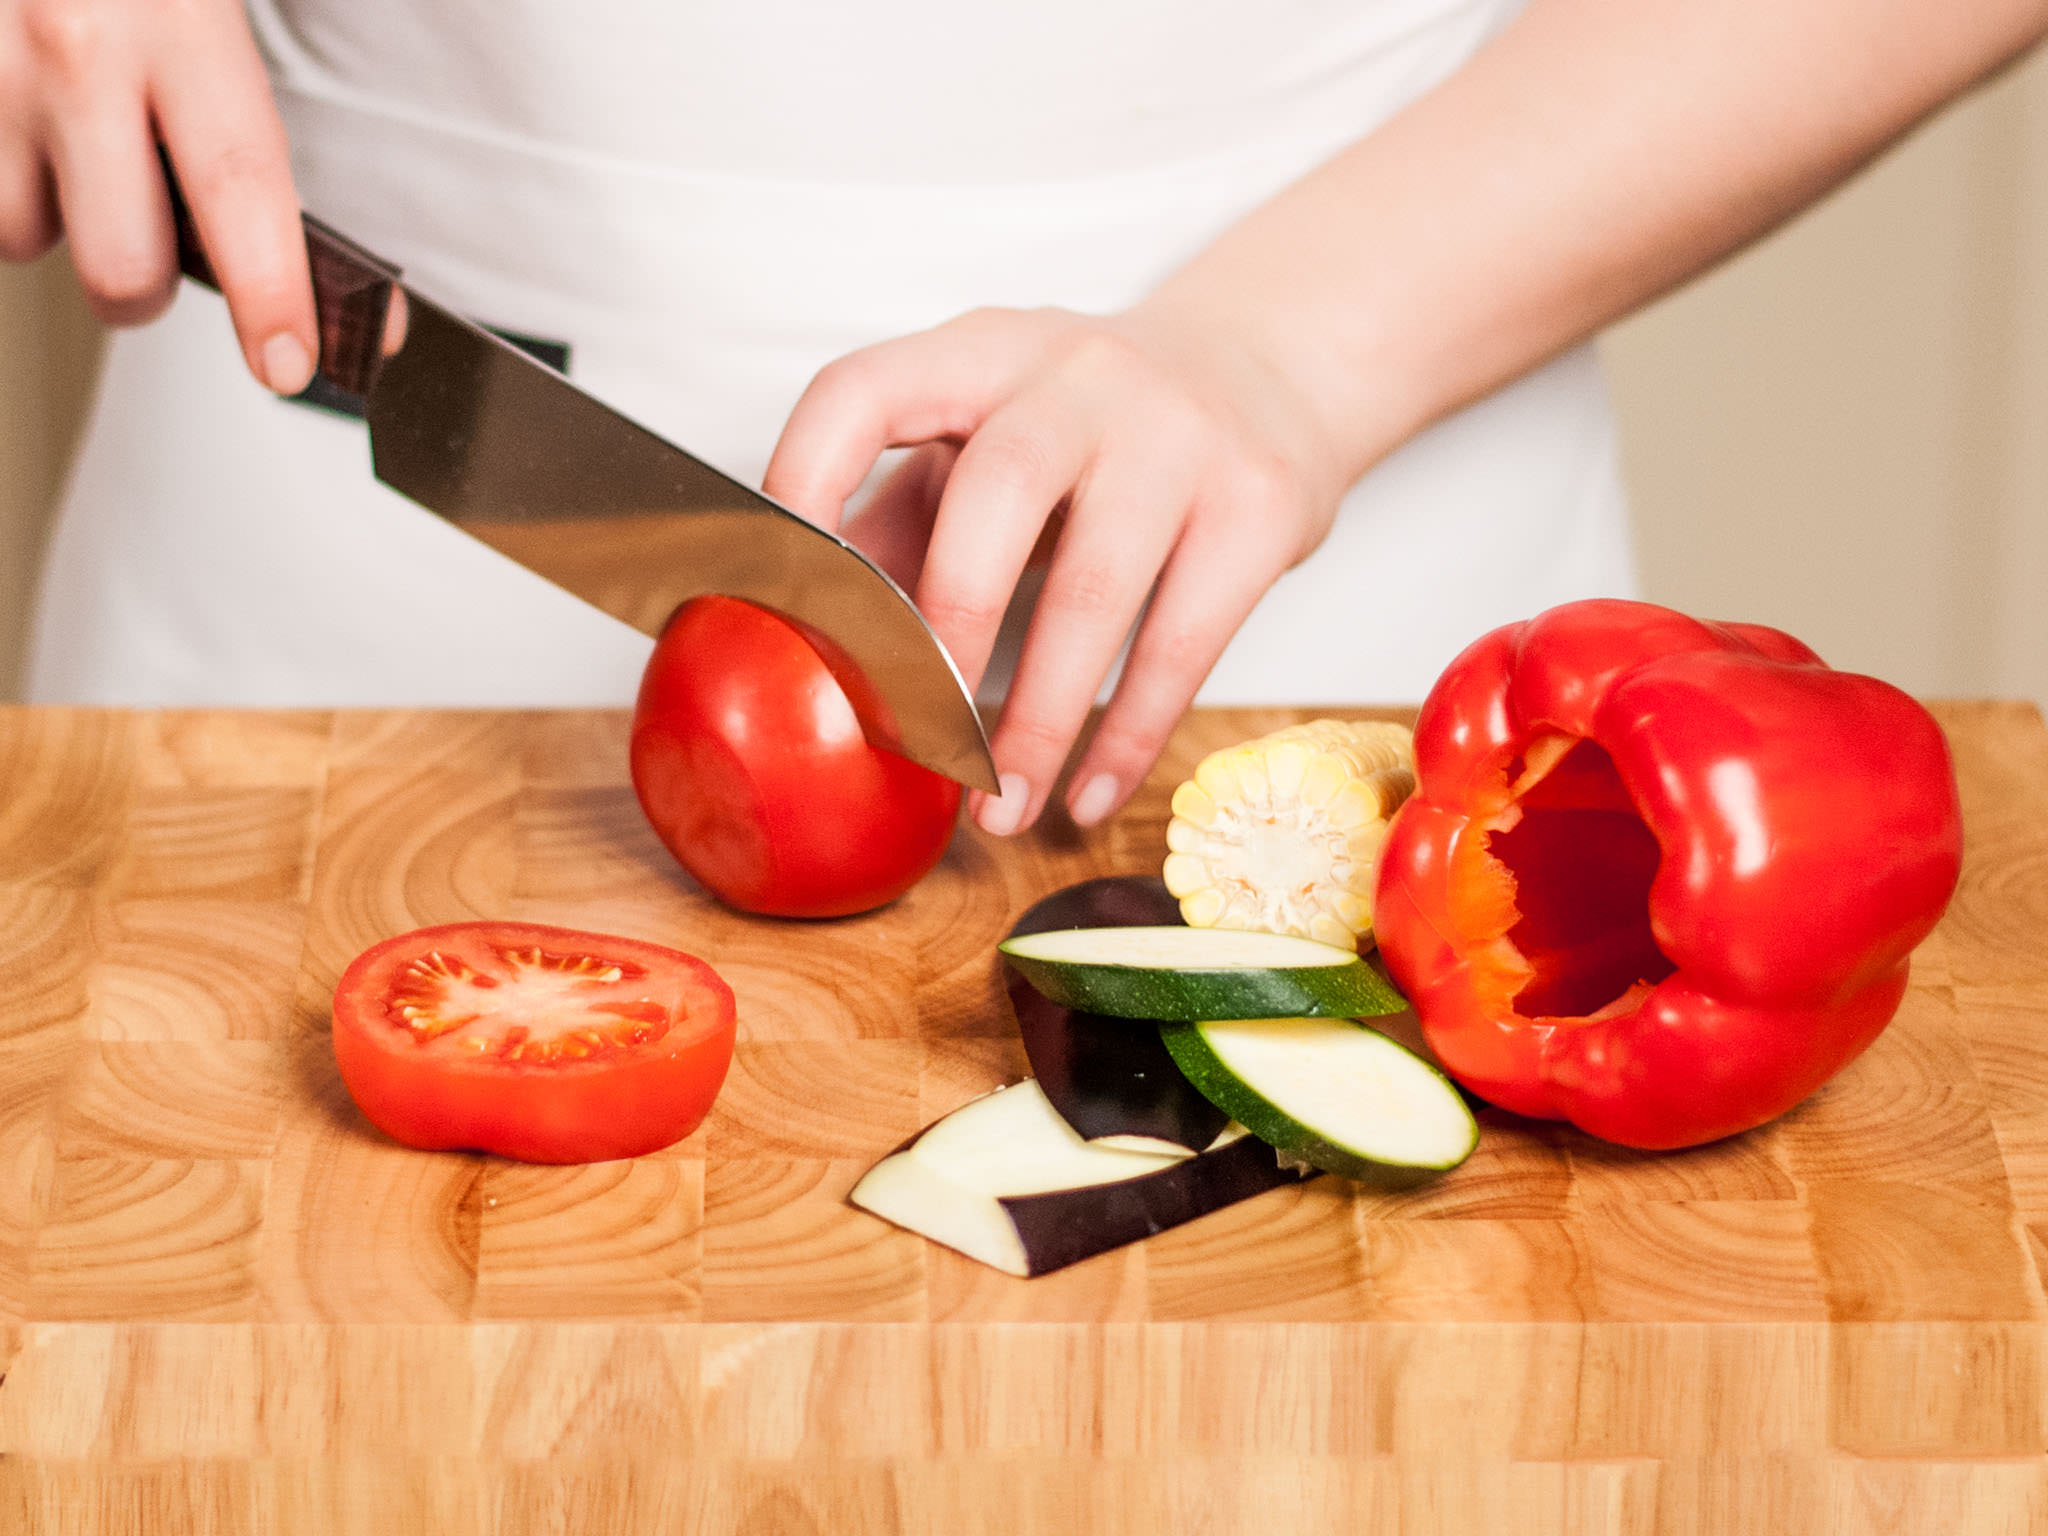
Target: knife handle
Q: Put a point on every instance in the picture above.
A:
(352, 291)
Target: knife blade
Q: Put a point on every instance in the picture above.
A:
(509, 451)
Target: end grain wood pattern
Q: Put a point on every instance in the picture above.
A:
(228, 1305)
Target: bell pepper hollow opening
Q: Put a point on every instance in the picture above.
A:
(1659, 877)
(1557, 894)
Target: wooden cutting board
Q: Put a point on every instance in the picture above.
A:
(230, 1306)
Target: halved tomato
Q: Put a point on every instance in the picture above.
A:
(544, 1044)
(752, 761)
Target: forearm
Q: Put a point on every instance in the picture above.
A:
(1594, 155)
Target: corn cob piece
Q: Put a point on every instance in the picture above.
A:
(1282, 834)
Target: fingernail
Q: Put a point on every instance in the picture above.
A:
(1003, 814)
(1094, 800)
(287, 367)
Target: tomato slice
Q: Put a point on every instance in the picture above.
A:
(538, 1043)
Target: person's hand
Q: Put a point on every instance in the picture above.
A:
(87, 87)
(1150, 447)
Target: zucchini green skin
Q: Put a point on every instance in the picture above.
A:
(1352, 991)
(1272, 1125)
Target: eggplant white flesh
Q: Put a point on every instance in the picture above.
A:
(1012, 1142)
(1112, 1080)
(1005, 1180)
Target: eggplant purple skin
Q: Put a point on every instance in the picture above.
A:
(1110, 1077)
(1107, 1077)
(1064, 1226)
(1114, 901)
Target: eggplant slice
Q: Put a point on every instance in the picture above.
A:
(1005, 1180)
(1112, 1080)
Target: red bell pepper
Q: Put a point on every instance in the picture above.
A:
(1660, 877)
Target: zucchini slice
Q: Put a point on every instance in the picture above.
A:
(1003, 1179)
(1199, 973)
(1340, 1096)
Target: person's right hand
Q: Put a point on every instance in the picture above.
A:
(87, 88)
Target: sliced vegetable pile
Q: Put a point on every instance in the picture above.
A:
(1179, 1070)
(1115, 1085)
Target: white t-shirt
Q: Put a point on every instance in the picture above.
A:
(710, 202)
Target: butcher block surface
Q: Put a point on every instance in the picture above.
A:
(228, 1305)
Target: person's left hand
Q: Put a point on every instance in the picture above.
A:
(1148, 447)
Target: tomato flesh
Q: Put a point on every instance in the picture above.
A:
(752, 760)
(538, 1043)
(552, 1011)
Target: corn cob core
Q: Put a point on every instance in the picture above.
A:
(1282, 834)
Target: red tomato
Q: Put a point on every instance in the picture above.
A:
(538, 1043)
(750, 761)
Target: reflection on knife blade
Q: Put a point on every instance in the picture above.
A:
(509, 451)
(516, 456)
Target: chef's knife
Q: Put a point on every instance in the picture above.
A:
(513, 454)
